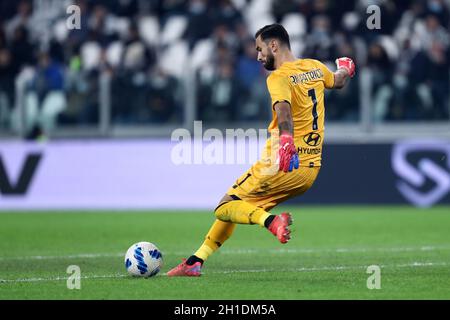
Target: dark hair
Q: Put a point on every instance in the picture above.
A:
(274, 31)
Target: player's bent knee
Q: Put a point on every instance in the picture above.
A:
(219, 213)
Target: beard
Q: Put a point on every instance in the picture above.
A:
(270, 62)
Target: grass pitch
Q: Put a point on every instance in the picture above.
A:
(327, 258)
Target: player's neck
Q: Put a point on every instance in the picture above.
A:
(285, 56)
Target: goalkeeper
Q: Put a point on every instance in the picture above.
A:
(292, 156)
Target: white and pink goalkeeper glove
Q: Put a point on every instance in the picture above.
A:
(288, 155)
(347, 64)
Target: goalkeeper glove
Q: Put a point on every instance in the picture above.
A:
(288, 155)
(347, 64)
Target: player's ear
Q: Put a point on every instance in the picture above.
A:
(273, 45)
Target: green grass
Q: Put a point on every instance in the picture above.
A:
(326, 259)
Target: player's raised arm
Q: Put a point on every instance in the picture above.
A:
(345, 69)
(287, 153)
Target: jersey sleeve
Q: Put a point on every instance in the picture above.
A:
(279, 88)
(327, 75)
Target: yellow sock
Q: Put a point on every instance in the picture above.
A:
(239, 211)
(217, 235)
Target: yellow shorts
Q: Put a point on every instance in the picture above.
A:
(266, 189)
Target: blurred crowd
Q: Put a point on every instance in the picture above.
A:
(142, 52)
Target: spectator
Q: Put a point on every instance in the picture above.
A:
(162, 97)
(7, 75)
(250, 74)
(319, 42)
(200, 23)
(21, 49)
(281, 8)
(343, 105)
(219, 96)
(23, 18)
(435, 83)
(440, 10)
(381, 66)
(46, 99)
(226, 14)
(130, 80)
(136, 55)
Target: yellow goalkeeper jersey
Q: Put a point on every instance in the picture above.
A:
(302, 84)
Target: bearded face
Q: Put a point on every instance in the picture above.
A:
(269, 64)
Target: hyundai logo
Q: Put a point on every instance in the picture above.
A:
(312, 139)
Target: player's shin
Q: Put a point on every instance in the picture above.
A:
(217, 235)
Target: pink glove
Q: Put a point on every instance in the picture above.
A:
(287, 153)
(347, 64)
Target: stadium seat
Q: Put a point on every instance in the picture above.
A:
(148, 27)
(295, 24)
(173, 59)
(90, 55)
(351, 20)
(297, 46)
(258, 14)
(114, 53)
(390, 46)
(173, 29)
(419, 33)
(257, 22)
(239, 4)
(60, 30)
(121, 26)
(258, 7)
(201, 53)
(134, 57)
(402, 34)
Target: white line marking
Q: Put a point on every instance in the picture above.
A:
(337, 268)
(303, 269)
(242, 251)
(70, 256)
(62, 278)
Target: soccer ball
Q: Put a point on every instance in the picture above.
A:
(143, 259)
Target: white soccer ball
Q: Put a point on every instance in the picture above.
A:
(143, 259)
